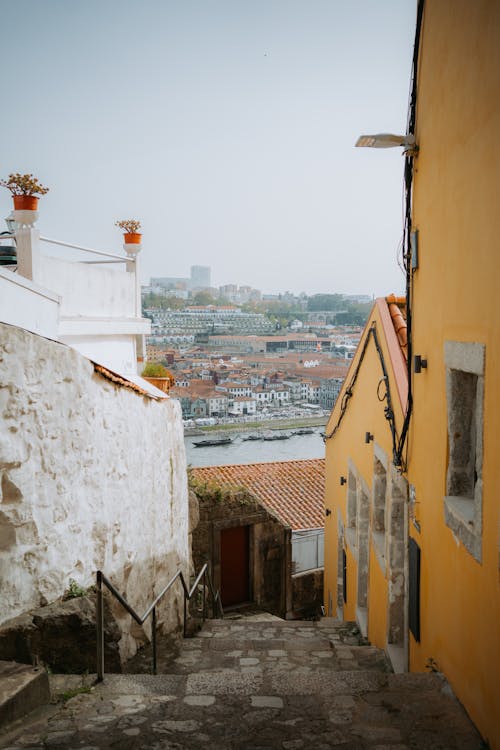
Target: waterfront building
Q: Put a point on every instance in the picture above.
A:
(207, 320)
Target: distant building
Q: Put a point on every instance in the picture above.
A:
(207, 320)
(361, 298)
(169, 282)
(239, 295)
(328, 391)
(200, 277)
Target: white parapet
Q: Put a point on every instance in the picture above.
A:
(25, 304)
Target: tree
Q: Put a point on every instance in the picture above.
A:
(203, 299)
(325, 302)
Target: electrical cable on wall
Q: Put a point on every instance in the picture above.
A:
(348, 393)
(408, 183)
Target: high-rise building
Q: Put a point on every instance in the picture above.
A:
(200, 277)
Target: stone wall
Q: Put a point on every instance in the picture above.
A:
(92, 475)
(307, 594)
(270, 545)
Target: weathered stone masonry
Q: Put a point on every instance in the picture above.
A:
(92, 475)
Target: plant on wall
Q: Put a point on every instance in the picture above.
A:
(24, 184)
(154, 370)
(129, 226)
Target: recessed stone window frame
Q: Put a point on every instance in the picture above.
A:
(463, 502)
(351, 509)
(379, 505)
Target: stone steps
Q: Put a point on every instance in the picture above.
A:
(22, 689)
(261, 685)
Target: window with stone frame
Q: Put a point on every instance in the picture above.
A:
(464, 397)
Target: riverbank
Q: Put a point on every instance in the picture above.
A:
(268, 424)
(240, 450)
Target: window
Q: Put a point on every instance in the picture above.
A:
(464, 396)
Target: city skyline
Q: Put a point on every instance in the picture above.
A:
(228, 130)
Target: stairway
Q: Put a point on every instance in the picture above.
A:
(261, 684)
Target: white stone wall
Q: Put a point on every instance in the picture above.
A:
(92, 475)
(26, 304)
(88, 290)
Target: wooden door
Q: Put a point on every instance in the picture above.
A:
(235, 559)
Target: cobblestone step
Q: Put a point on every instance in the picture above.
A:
(22, 689)
(286, 686)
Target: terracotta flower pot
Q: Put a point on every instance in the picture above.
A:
(25, 202)
(132, 238)
(164, 384)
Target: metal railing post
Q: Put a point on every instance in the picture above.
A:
(153, 637)
(151, 610)
(204, 596)
(100, 629)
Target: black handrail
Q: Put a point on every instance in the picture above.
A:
(151, 610)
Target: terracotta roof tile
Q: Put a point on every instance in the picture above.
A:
(294, 490)
(397, 309)
(120, 380)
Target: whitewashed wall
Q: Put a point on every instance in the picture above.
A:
(88, 290)
(26, 304)
(92, 475)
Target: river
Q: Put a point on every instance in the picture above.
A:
(255, 451)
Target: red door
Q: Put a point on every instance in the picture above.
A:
(234, 558)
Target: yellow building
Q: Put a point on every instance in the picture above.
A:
(454, 438)
(366, 496)
(449, 443)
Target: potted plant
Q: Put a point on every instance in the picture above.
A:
(130, 227)
(159, 376)
(25, 191)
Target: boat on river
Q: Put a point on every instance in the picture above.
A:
(253, 436)
(303, 431)
(212, 442)
(277, 435)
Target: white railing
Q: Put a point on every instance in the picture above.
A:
(119, 258)
(308, 551)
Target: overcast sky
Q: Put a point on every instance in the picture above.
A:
(226, 126)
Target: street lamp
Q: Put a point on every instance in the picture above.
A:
(11, 223)
(389, 140)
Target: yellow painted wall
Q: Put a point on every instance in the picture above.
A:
(456, 297)
(364, 413)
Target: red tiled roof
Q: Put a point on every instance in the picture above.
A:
(397, 309)
(180, 391)
(395, 336)
(294, 490)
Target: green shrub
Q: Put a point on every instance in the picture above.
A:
(74, 590)
(155, 370)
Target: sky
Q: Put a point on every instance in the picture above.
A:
(227, 127)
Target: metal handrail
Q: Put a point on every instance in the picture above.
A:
(122, 258)
(151, 610)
